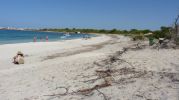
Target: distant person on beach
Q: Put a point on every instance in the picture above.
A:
(46, 38)
(35, 38)
(41, 39)
(19, 58)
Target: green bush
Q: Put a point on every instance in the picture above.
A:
(177, 41)
(138, 37)
(162, 33)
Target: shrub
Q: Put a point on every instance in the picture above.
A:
(138, 37)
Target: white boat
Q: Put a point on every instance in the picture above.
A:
(62, 37)
(67, 34)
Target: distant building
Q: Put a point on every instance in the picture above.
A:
(2, 28)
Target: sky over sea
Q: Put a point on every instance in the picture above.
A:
(99, 14)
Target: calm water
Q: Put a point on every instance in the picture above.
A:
(15, 36)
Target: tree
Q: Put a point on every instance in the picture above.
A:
(146, 31)
(175, 31)
(102, 31)
(176, 26)
(134, 31)
(113, 31)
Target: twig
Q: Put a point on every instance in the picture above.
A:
(105, 97)
(126, 62)
(92, 80)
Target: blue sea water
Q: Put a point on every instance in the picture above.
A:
(16, 36)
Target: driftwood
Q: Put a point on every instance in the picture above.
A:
(88, 90)
(82, 91)
(105, 97)
(107, 75)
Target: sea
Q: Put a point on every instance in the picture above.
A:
(18, 36)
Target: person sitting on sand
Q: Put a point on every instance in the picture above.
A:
(19, 58)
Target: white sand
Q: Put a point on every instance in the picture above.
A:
(41, 49)
(51, 65)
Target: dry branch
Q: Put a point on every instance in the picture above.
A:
(107, 75)
(105, 97)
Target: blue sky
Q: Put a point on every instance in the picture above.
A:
(100, 14)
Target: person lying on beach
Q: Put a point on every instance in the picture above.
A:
(19, 58)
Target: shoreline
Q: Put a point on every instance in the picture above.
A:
(43, 41)
(50, 39)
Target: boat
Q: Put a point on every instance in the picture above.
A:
(65, 35)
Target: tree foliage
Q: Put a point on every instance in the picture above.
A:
(162, 33)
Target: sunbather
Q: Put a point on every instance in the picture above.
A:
(19, 58)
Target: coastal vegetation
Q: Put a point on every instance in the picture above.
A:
(164, 32)
(171, 33)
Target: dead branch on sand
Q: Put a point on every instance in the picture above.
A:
(107, 75)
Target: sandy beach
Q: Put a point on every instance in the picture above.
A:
(106, 67)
